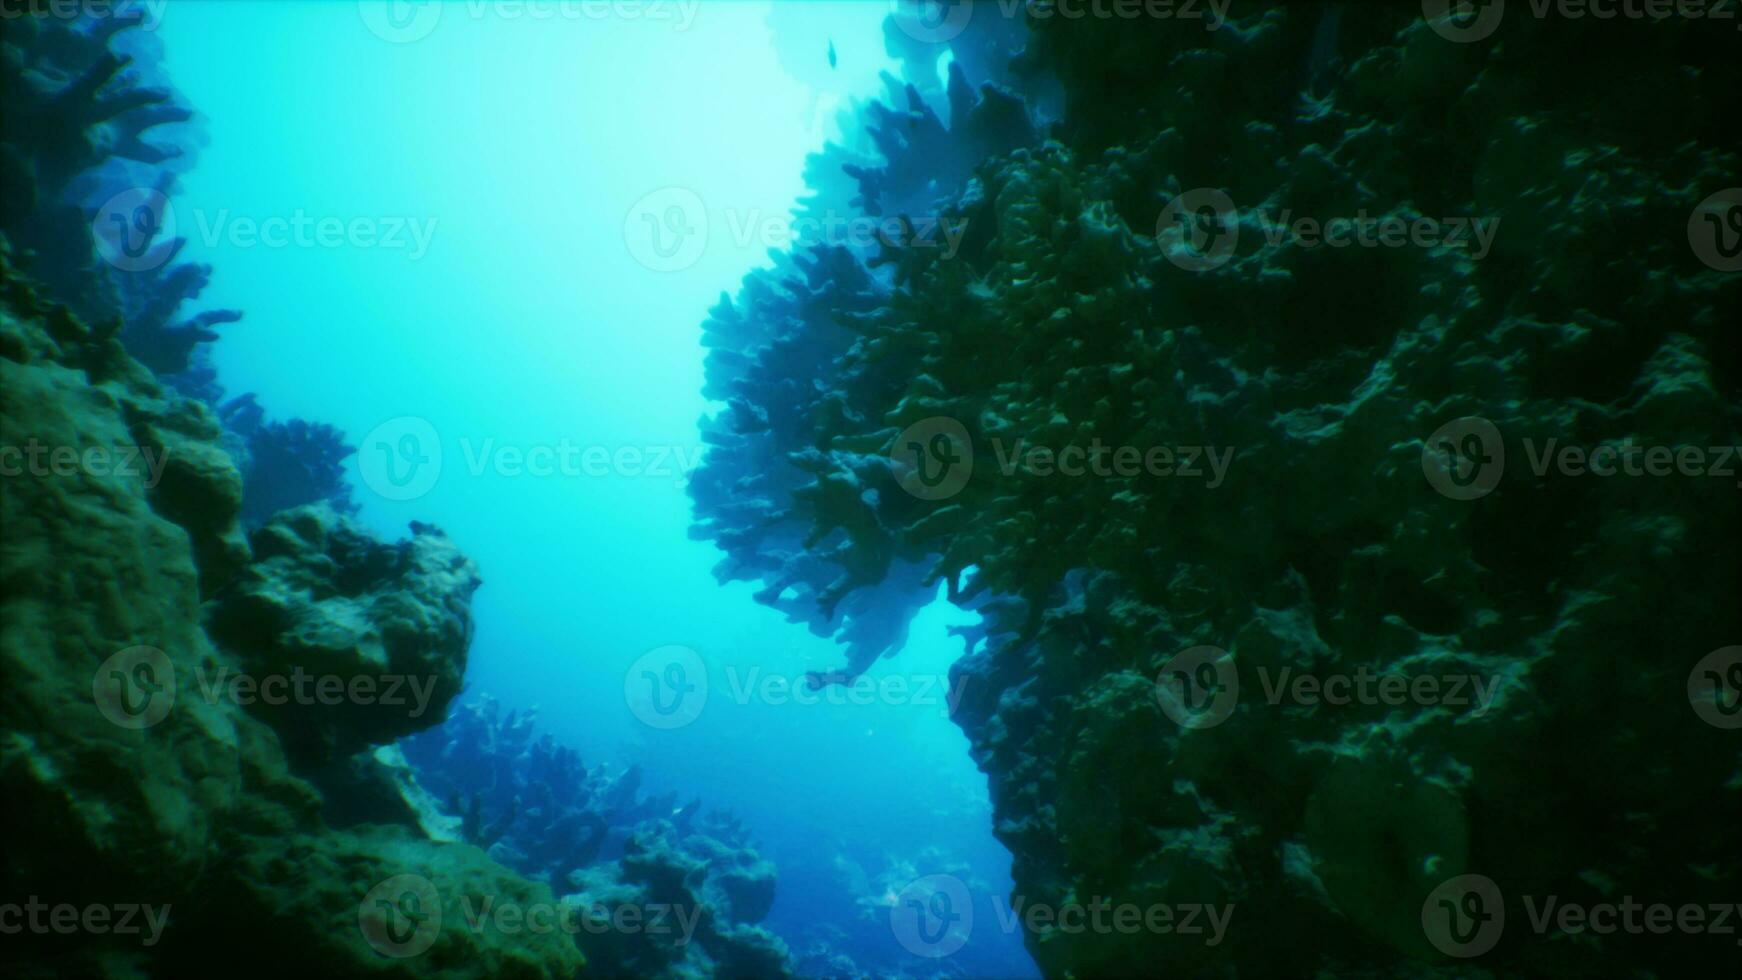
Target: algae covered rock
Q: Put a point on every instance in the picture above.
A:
(160, 824)
(366, 640)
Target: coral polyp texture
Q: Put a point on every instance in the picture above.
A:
(1267, 485)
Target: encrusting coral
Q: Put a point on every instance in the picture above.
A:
(1294, 388)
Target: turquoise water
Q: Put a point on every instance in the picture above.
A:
(507, 302)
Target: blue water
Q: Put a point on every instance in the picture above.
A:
(505, 156)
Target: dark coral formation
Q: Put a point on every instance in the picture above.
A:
(392, 621)
(285, 464)
(1078, 314)
(147, 780)
(596, 839)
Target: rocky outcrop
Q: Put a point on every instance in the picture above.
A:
(1313, 461)
(385, 626)
(704, 905)
(131, 777)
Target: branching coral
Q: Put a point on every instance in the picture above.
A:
(1292, 388)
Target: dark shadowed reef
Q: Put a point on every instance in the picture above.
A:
(1076, 313)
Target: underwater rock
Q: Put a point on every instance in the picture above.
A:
(323, 600)
(1305, 384)
(128, 777)
(706, 926)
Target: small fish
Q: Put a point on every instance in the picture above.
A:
(833, 61)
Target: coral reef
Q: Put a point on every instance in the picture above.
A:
(132, 771)
(393, 620)
(285, 464)
(1077, 314)
(92, 142)
(591, 834)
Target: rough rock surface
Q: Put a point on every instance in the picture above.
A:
(714, 899)
(1078, 312)
(123, 782)
(390, 624)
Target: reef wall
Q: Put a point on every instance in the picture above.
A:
(136, 772)
(1199, 467)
